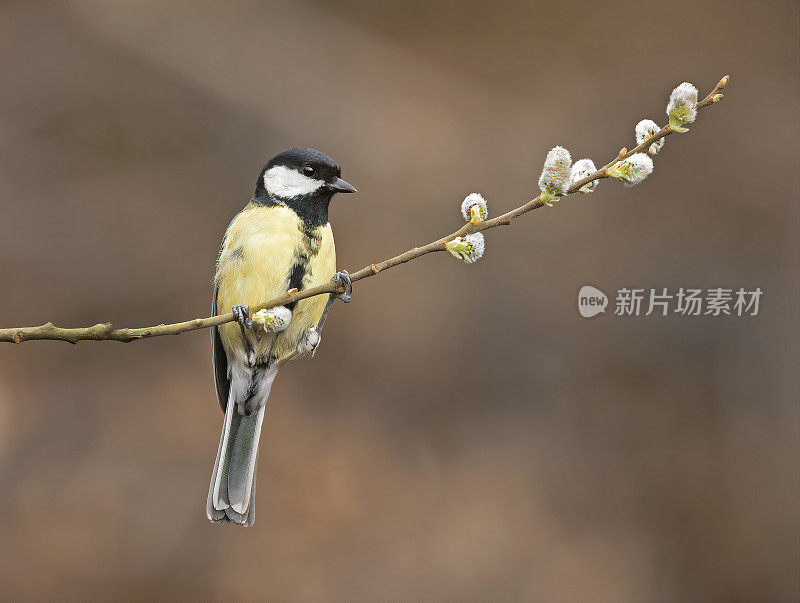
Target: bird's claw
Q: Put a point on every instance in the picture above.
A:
(242, 315)
(342, 279)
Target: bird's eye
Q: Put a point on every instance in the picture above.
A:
(309, 171)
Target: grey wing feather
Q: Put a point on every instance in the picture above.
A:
(220, 360)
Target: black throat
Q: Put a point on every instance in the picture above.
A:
(312, 209)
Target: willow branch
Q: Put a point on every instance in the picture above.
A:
(106, 331)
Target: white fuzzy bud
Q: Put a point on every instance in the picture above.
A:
(273, 320)
(468, 249)
(633, 170)
(474, 208)
(645, 130)
(682, 106)
(554, 180)
(581, 169)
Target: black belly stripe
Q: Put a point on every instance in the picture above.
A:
(296, 277)
(311, 242)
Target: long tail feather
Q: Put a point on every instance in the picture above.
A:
(231, 495)
(243, 463)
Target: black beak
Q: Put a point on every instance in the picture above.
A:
(341, 186)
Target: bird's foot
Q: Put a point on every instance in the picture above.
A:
(342, 279)
(242, 315)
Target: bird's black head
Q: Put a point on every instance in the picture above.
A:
(304, 180)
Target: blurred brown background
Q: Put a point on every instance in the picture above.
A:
(420, 455)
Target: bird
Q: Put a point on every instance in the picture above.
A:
(281, 240)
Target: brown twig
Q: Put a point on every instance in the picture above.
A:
(105, 331)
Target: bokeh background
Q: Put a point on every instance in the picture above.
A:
(462, 433)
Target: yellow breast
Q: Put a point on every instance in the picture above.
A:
(263, 248)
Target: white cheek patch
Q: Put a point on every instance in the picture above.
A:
(287, 183)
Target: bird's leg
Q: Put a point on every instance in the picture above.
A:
(311, 339)
(342, 279)
(242, 315)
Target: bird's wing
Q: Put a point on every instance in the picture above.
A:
(219, 359)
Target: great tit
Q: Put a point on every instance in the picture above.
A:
(281, 240)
